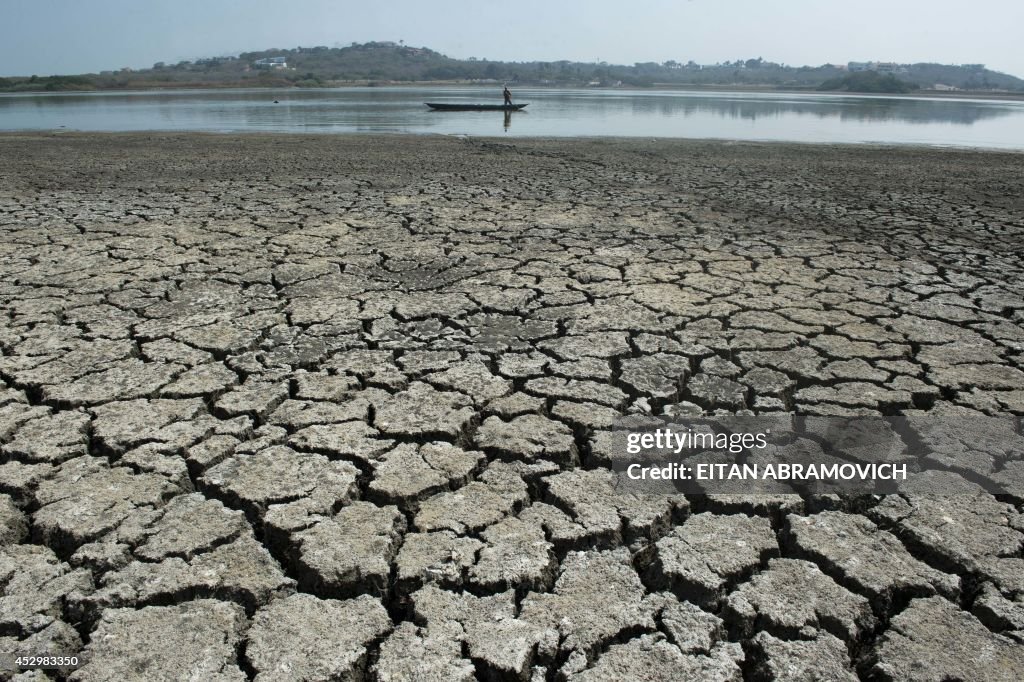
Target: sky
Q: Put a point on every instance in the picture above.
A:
(46, 37)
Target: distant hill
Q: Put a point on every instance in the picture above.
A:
(380, 62)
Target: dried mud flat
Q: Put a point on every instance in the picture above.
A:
(324, 408)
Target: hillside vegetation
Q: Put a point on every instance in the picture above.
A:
(389, 62)
(868, 81)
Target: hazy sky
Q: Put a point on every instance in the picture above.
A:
(74, 36)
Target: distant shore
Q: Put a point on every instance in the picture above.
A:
(696, 87)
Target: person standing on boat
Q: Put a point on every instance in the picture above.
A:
(508, 96)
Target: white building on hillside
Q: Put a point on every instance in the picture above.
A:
(271, 63)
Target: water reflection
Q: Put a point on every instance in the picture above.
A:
(768, 116)
(506, 123)
(861, 109)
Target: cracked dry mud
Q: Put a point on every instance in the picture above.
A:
(311, 408)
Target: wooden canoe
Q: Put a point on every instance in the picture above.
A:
(453, 106)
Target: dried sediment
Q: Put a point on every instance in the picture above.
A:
(348, 395)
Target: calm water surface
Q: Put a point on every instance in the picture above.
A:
(559, 113)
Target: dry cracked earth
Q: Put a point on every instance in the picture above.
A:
(300, 408)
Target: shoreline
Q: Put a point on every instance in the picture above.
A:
(1009, 96)
(714, 141)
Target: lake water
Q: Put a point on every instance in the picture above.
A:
(552, 112)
